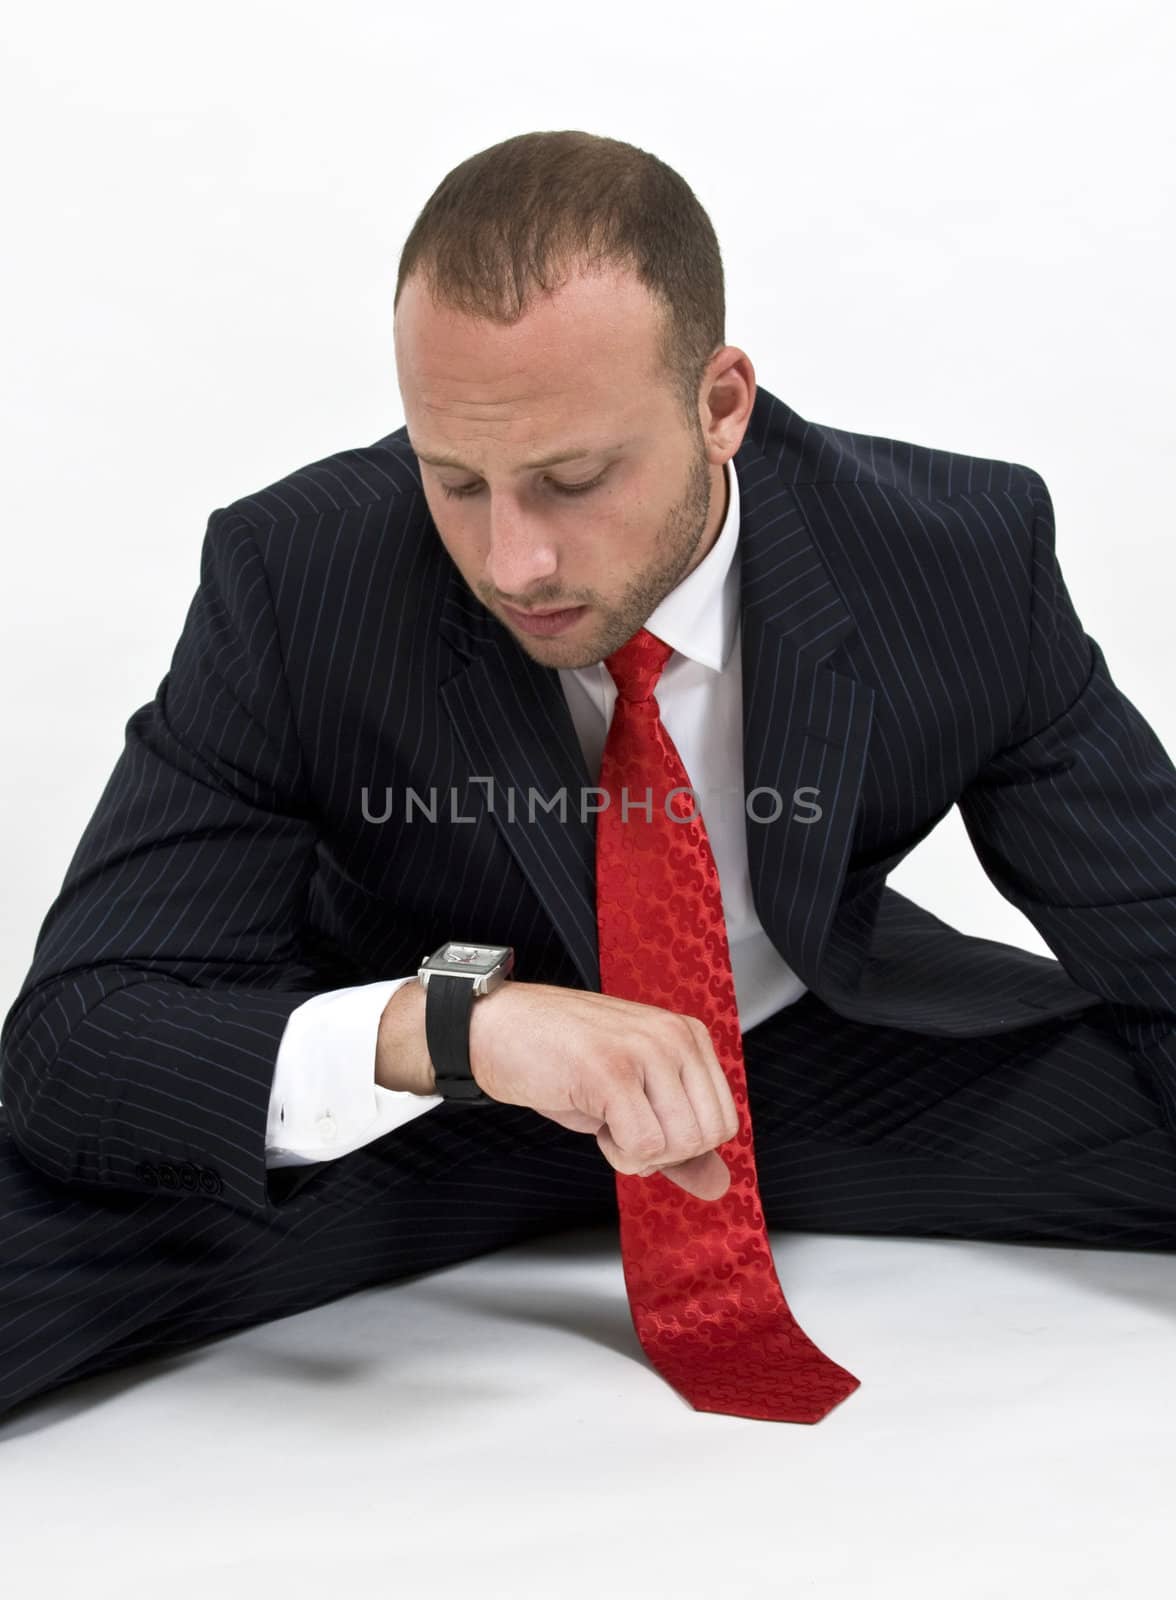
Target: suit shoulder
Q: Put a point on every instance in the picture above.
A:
(922, 471)
(346, 481)
(806, 452)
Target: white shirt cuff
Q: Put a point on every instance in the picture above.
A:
(325, 1101)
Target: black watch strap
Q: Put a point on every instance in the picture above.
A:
(448, 1003)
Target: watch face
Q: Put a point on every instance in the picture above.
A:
(476, 958)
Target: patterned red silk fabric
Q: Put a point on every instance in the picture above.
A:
(705, 1300)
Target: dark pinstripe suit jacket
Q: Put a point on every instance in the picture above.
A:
(908, 644)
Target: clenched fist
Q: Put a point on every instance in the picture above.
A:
(644, 1080)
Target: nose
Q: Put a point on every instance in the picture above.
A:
(520, 556)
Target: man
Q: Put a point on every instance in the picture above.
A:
(220, 1097)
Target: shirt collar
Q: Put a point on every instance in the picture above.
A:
(698, 617)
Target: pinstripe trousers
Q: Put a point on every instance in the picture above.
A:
(1046, 1133)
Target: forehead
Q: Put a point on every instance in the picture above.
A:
(595, 330)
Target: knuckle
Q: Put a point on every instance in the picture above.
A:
(621, 1072)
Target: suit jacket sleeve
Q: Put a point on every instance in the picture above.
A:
(140, 1050)
(1075, 823)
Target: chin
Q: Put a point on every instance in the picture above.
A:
(561, 651)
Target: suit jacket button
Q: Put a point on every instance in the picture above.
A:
(147, 1173)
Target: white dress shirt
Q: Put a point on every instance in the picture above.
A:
(325, 1101)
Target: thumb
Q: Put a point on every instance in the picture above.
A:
(706, 1177)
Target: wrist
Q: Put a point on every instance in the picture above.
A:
(484, 1015)
(402, 1055)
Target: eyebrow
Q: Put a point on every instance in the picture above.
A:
(528, 466)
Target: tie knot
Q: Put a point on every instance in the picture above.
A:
(637, 665)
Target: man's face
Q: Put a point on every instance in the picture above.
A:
(576, 373)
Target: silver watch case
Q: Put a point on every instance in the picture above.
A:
(486, 966)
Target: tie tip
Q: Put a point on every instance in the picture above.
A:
(808, 1408)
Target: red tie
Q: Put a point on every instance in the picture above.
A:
(703, 1291)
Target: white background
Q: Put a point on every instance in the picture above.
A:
(950, 223)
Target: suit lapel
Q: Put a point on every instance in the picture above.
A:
(805, 732)
(806, 727)
(510, 715)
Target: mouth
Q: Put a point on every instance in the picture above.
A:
(546, 622)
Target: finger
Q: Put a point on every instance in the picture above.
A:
(713, 1120)
(719, 1081)
(632, 1135)
(667, 1092)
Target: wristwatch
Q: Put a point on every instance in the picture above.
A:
(454, 976)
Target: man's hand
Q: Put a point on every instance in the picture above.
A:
(644, 1080)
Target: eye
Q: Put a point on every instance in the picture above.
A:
(560, 488)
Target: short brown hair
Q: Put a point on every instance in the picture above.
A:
(522, 215)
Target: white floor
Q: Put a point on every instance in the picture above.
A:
(493, 1429)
